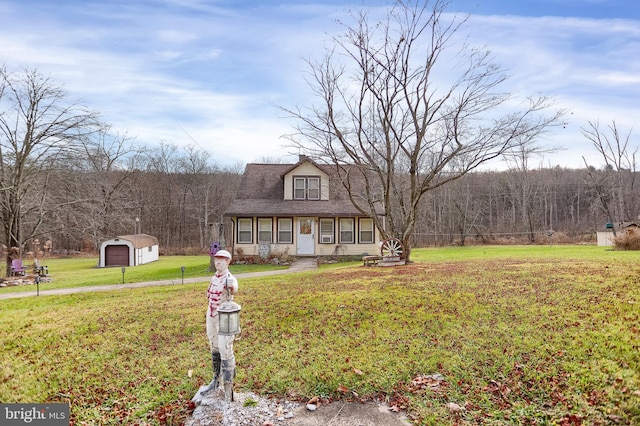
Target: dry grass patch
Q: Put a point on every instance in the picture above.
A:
(482, 339)
(522, 341)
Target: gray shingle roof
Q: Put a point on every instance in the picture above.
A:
(261, 193)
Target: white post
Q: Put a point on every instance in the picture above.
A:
(228, 364)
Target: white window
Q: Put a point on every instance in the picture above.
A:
(326, 231)
(306, 188)
(299, 188)
(245, 233)
(313, 185)
(346, 231)
(265, 230)
(366, 231)
(285, 231)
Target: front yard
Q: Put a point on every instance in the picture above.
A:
(527, 335)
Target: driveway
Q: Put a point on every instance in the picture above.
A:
(300, 265)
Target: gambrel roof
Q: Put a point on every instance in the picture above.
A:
(261, 193)
(139, 240)
(623, 225)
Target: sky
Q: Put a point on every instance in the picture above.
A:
(213, 73)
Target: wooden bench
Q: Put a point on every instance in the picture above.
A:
(370, 260)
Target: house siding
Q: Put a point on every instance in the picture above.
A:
(306, 169)
(275, 248)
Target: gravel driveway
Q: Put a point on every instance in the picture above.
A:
(252, 410)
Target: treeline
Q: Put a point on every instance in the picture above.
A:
(68, 183)
(533, 206)
(180, 197)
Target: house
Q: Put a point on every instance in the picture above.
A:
(605, 237)
(129, 250)
(297, 209)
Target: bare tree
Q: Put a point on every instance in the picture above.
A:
(183, 196)
(615, 186)
(110, 162)
(198, 177)
(526, 190)
(39, 129)
(157, 193)
(401, 114)
(464, 211)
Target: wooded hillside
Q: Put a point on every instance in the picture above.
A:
(183, 205)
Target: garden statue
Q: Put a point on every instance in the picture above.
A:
(221, 288)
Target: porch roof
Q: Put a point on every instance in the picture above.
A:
(291, 208)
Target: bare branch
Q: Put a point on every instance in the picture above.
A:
(39, 129)
(395, 110)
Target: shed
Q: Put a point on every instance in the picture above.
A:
(129, 250)
(605, 237)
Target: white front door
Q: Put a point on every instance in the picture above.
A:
(306, 239)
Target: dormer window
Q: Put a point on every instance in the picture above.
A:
(306, 188)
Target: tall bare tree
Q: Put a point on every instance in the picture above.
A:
(157, 199)
(197, 179)
(402, 113)
(525, 189)
(110, 163)
(39, 129)
(615, 186)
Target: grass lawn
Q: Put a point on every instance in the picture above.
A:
(79, 272)
(472, 335)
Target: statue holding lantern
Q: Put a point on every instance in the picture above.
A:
(222, 324)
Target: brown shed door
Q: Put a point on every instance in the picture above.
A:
(116, 256)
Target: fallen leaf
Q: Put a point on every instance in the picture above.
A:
(571, 419)
(342, 389)
(454, 408)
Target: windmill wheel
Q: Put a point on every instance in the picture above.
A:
(392, 248)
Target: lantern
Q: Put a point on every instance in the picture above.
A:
(229, 318)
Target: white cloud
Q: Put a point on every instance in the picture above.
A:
(619, 78)
(176, 36)
(164, 69)
(585, 64)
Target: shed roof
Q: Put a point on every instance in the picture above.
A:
(624, 225)
(140, 240)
